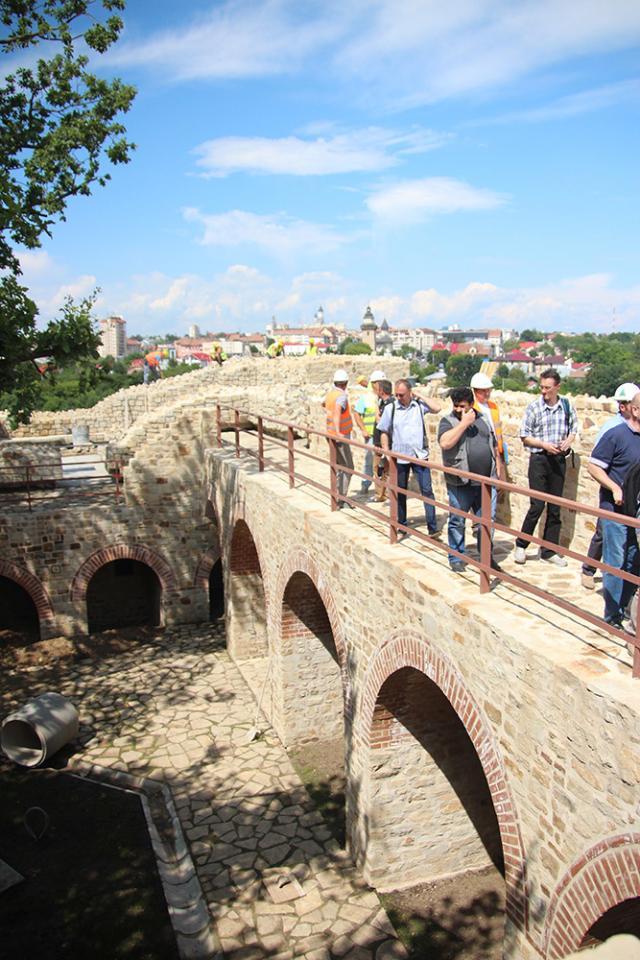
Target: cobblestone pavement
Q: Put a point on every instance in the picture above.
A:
(177, 710)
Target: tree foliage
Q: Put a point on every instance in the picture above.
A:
(460, 368)
(353, 348)
(58, 127)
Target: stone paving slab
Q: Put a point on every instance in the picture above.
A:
(177, 711)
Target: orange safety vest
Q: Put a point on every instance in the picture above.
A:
(497, 423)
(346, 423)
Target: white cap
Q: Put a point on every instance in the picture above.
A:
(480, 381)
(340, 376)
(377, 375)
(626, 392)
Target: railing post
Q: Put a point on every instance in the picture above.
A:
(118, 476)
(28, 477)
(635, 655)
(333, 472)
(292, 475)
(236, 427)
(393, 499)
(218, 425)
(260, 445)
(485, 537)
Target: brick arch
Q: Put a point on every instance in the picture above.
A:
(32, 586)
(409, 650)
(205, 566)
(301, 562)
(121, 551)
(602, 877)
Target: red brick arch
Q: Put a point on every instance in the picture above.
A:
(121, 551)
(205, 566)
(602, 877)
(33, 587)
(301, 562)
(409, 650)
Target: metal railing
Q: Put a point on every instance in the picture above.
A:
(486, 524)
(32, 483)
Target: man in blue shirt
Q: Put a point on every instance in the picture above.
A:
(623, 395)
(402, 430)
(617, 451)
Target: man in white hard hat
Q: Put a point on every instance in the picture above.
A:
(623, 396)
(340, 424)
(488, 410)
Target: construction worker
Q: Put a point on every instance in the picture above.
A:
(488, 410)
(312, 350)
(218, 354)
(275, 349)
(340, 424)
(365, 414)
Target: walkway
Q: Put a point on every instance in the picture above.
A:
(602, 652)
(177, 710)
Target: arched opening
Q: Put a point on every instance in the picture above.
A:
(623, 918)
(431, 816)
(123, 593)
(313, 709)
(19, 622)
(216, 592)
(246, 608)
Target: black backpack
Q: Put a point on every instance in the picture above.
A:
(631, 491)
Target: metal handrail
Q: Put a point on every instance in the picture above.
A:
(30, 482)
(486, 523)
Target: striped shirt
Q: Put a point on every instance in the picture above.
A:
(551, 424)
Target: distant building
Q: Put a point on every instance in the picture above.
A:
(113, 334)
(194, 331)
(368, 329)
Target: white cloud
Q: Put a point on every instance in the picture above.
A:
(278, 234)
(82, 286)
(412, 201)
(405, 52)
(36, 263)
(573, 105)
(365, 150)
(239, 38)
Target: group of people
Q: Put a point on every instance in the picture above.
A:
(392, 418)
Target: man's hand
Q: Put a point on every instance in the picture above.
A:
(468, 418)
(617, 494)
(551, 447)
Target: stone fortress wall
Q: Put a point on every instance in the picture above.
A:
(364, 639)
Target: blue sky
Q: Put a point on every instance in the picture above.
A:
(474, 162)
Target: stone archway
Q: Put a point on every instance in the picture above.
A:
(446, 689)
(36, 591)
(604, 877)
(209, 579)
(246, 607)
(314, 695)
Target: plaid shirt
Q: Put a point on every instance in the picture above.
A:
(550, 424)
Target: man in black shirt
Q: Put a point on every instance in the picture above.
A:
(381, 465)
(467, 443)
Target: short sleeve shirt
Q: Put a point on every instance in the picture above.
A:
(616, 452)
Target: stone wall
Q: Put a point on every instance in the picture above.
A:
(556, 739)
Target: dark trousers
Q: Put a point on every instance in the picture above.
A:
(595, 549)
(423, 476)
(546, 473)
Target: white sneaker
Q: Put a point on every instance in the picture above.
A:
(557, 560)
(520, 555)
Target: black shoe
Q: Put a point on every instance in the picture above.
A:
(495, 565)
(458, 566)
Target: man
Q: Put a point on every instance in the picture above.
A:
(402, 430)
(548, 429)
(613, 457)
(381, 464)
(468, 443)
(488, 409)
(275, 349)
(312, 350)
(623, 395)
(340, 424)
(365, 414)
(219, 355)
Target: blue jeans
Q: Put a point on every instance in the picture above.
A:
(619, 549)
(368, 465)
(423, 476)
(467, 498)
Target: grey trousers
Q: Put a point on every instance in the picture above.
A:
(344, 458)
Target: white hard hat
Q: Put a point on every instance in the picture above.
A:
(340, 376)
(378, 375)
(480, 381)
(626, 392)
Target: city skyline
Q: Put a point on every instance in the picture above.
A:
(474, 165)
